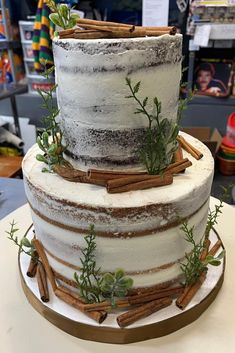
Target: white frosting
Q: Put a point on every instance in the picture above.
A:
(195, 181)
(92, 92)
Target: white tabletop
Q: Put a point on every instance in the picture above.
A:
(23, 330)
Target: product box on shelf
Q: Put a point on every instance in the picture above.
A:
(209, 136)
(26, 30)
(39, 82)
(28, 50)
(29, 67)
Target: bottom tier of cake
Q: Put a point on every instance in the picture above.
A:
(158, 324)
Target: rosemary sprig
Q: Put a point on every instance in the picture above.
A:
(160, 138)
(214, 215)
(183, 104)
(95, 286)
(23, 242)
(50, 142)
(61, 15)
(194, 266)
(90, 279)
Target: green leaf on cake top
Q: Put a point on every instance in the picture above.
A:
(61, 15)
(160, 136)
(95, 286)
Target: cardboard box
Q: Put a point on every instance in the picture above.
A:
(209, 136)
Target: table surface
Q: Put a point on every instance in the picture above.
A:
(12, 195)
(23, 330)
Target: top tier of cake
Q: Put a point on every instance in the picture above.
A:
(99, 125)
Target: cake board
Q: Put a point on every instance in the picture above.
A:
(157, 325)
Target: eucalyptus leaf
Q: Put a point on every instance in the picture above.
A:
(41, 158)
(25, 242)
(64, 10)
(109, 278)
(215, 262)
(54, 17)
(119, 273)
(221, 255)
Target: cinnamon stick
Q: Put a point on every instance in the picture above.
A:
(32, 269)
(108, 28)
(68, 172)
(42, 283)
(111, 174)
(158, 180)
(119, 34)
(190, 292)
(92, 35)
(143, 311)
(72, 293)
(136, 299)
(143, 298)
(215, 248)
(41, 252)
(66, 31)
(179, 168)
(206, 245)
(98, 316)
(66, 36)
(178, 154)
(82, 21)
(189, 148)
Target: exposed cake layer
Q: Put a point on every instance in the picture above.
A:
(138, 231)
(99, 124)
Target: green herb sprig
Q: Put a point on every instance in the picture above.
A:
(50, 142)
(95, 286)
(61, 15)
(160, 138)
(90, 279)
(193, 265)
(214, 215)
(22, 243)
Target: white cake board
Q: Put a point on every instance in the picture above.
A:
(158, 324)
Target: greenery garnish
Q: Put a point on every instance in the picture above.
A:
(160, 139)
(95, 286)
(50, 142)
(213, 215)
(61, 15)
(183, 104)
(89, 281)
(24, 244)
(115, 285)
(194, 266)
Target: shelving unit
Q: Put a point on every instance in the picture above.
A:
(215, 109)
(12, 89)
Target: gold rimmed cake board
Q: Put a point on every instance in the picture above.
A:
(107, 334)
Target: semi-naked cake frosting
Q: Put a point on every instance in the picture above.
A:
(138, 231)
(100, 129)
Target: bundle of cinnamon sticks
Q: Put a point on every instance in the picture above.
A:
(92, 29)
(117, 181)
